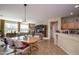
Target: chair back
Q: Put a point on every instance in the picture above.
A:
(18, 43)
(7, 41)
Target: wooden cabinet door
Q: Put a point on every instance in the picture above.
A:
(68, 25)
(77, 25)
(64, 26)
(71, 25)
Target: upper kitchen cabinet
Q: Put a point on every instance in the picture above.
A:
(71, 22)
(76, 23)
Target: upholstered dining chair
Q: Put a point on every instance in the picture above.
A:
(21, 47)
(7, 42)
(18, 47)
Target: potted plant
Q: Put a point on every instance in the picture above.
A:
(1, 32)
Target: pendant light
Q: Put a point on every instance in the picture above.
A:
(25, 12)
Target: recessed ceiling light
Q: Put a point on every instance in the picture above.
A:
(71, 13)
(76, 6)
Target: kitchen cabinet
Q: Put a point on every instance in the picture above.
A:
(68, 42)
(77, 25)
(70, 23)
(64, 26)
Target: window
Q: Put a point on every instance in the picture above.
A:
(11, 27)
(24, 28)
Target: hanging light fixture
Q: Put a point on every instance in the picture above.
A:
(25, 12)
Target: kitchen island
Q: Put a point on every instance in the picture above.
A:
(68, 42)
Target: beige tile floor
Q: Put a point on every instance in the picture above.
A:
(46, 47)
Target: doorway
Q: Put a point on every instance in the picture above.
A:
(53, 29)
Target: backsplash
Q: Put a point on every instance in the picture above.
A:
(76, 31)
(71, 31)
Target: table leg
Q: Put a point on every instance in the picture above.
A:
(30, 52)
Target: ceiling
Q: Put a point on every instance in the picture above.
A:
(36, 12)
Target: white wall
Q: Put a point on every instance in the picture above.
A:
(53, 20)
(59, 24)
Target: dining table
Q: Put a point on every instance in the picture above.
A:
(33, 42)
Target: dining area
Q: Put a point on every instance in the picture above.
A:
(29, 45)
(20, 45)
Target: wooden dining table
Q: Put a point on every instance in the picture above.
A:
(32, 40)
(32, 43)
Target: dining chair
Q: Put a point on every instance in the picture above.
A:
(21, 47)
(17, 46)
